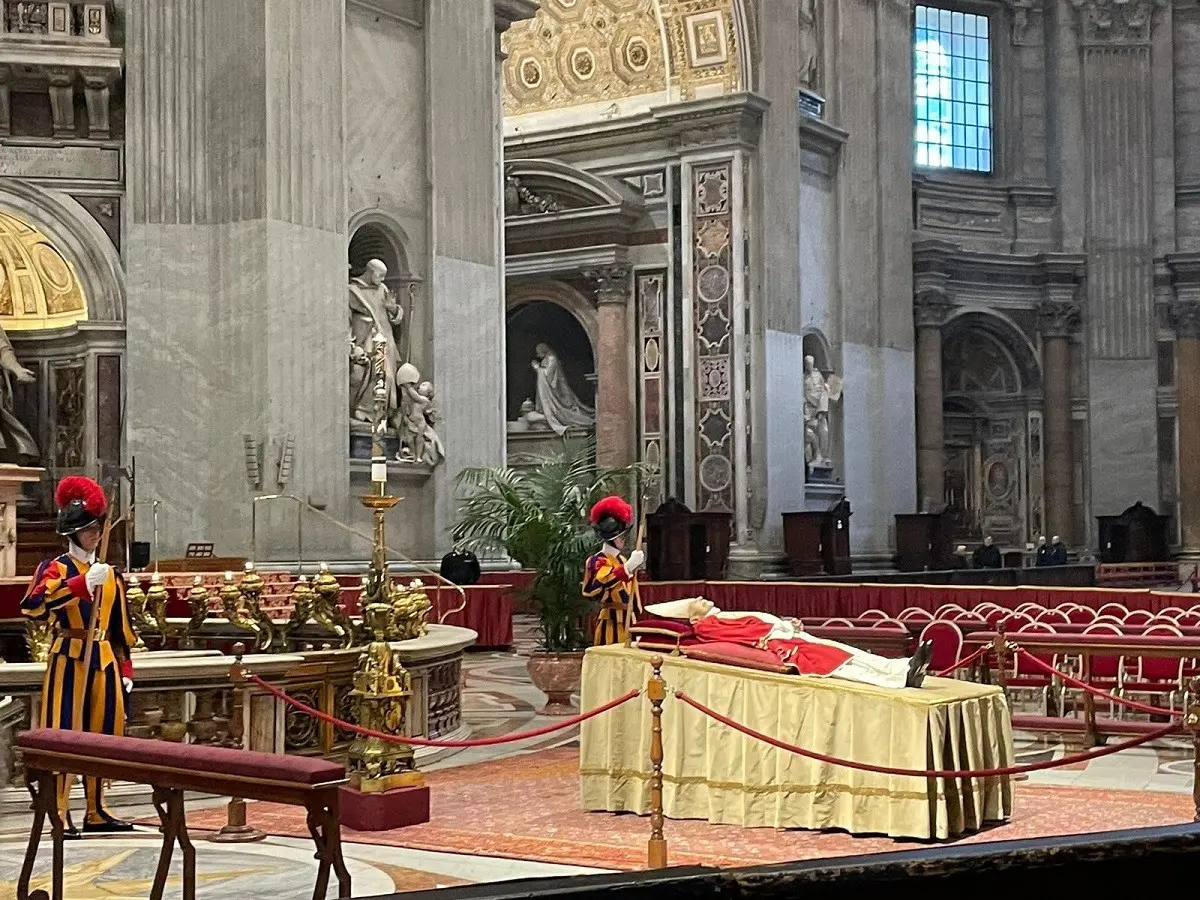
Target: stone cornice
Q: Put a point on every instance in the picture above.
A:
(612, 284)
(712, 124)
(821, 137)
(410, 12)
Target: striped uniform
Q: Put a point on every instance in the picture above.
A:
(606, 580)
(58, 594)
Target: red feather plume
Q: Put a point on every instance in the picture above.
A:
(79, 487)
(611, 506)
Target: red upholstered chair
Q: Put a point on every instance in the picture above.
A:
(1081, 615)
(947, 640)
(1107, 620)
(1169, 612)
(1113, 609)
(873, 614)
(915, 613)
(1188, 619)
(1138, 617)
(969, 618)
(948, 611)
(1105, 670)
(843, 623)
(1030, 608)
(1156, 677)
(1025, 675)
(1017, 620)
(995, 615)
(894, 624)
(1053, 617)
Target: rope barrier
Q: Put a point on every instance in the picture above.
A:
(1096, 753)
(427, 742)
(1092, 689)
(963, 663)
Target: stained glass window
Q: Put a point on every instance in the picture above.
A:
(952, 90)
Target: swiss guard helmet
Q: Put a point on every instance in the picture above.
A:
(611, 517)
(81, 502)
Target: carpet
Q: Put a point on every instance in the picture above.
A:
(527, 807)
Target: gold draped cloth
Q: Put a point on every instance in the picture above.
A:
(715, 773)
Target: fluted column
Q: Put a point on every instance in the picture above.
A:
(931, 306)
(1185, 319)
(614, 407)
(1059, 319)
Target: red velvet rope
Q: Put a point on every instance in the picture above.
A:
(1097, 753)
(426, 742)
(963, 663)
(1084, 686)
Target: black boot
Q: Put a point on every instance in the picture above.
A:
(106, 825)
(918, 666)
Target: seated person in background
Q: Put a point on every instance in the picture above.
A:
(1043, 552)
(987, 556)
(460, 566)
(786, 639)
(1057, 554)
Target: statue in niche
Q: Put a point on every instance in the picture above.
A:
(819, 393)
(809, 44)
(419, 440)
(373, 308)
(556, 402)
(529, 419)
(17, 445)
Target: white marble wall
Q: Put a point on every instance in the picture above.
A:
(784, 405)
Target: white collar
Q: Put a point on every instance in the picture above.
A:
(79, 554)
(609, 550)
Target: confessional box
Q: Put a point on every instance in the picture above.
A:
(1138, 535)
(818, 543)
(688, 546)
(923, 542)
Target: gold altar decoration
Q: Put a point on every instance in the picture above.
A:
(156, 602)
(303, 598)
(39, 639)
(39, 287)
(135, 597)
(380, 697)
(327, 607)
(410, 608)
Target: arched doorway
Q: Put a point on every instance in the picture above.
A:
(993, 431)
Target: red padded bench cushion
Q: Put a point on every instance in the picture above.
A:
(298, 770)
(736, 655)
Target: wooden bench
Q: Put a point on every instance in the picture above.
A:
(170, 769)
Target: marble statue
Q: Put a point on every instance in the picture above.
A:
(529, 419)
(373, 308)
(417, 422)
(819, 392)
(555, 399)
(16, 443)
(809, 46)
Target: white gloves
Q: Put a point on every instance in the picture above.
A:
(97, 575)
(636, 560)
(128, 684)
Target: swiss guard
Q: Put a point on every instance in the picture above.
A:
(62, 593)
(611, 578)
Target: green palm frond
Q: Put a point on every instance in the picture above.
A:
(538, 517)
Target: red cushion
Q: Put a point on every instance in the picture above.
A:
(736, 655)
(652, 624)
(220, 760)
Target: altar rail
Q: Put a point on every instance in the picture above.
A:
(1103, 865)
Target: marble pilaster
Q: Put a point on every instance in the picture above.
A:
(1184, 317)
(1058, 318)
(235, 249)
(931, 307)
(615, 414)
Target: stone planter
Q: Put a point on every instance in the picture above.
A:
(558, 676)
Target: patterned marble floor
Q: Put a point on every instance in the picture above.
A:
(498, 699)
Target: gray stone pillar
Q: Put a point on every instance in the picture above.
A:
(931, 306)
(1118, 129)
(615, 410)
(1184, 317)
(236, 263)
(1059, 320)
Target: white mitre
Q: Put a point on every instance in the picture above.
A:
(690, 608)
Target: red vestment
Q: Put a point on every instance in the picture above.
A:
(808, 657)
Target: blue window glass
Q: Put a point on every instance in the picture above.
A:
(952, 90)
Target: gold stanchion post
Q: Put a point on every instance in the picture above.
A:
(1191, 721)
(236, 831)
(656, 690)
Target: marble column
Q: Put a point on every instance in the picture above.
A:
(1184, 314)
(930, 310)
(615, 411)
(1059, 319)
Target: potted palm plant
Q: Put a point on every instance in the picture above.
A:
(539, 518)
